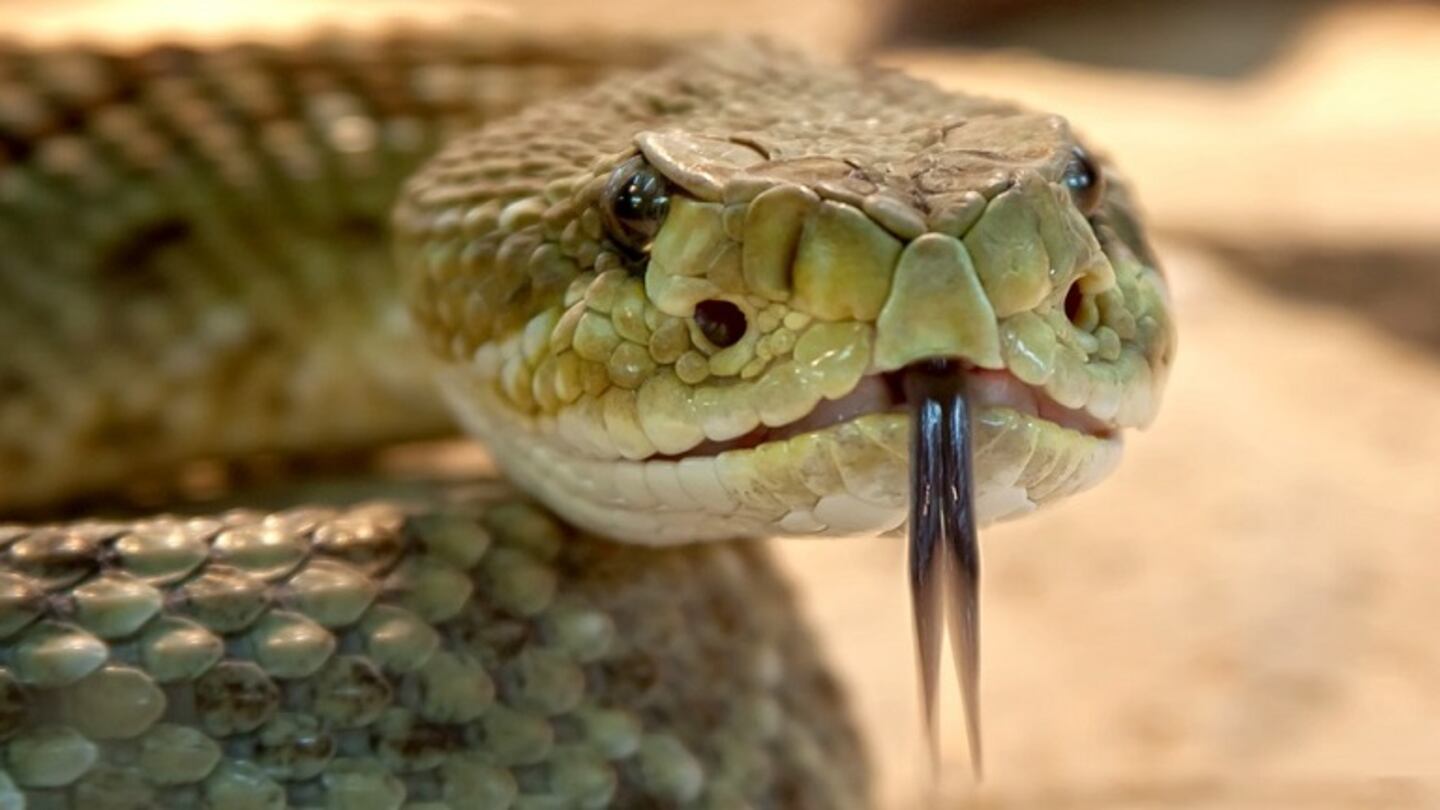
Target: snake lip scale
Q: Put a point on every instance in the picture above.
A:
(885, 393)
(683, 293)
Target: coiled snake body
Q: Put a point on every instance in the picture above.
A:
(681, 304)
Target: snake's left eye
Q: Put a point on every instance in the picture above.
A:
(634, 204)
(1085, 181)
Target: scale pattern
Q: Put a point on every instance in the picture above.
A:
(475, 653)
(854, 220)
(196, 256)
(195, 268)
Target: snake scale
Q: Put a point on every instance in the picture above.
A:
(679, 291)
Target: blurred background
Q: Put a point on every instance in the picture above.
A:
(1248, 614)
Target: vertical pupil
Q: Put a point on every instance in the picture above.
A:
(632, 202)
(1084, 182)
(635, 201)
(639, 200)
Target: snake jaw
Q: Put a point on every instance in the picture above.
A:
(796, 428)
(838, 250)
(885, 392)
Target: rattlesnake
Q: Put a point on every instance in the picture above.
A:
(688, 300)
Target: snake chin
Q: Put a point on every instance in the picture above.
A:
(884, 393)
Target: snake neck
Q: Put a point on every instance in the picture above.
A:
(198, 261)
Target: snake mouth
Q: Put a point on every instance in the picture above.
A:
(885, 392)
(940, 397)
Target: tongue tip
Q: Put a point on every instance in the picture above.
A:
(944, 549)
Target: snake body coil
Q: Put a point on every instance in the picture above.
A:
(677, 303)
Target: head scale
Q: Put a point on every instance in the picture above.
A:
(674, 307)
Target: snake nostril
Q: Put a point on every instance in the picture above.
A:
(721, 322)
(1074, 300)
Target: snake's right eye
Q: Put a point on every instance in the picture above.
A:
(1085, 181)
(634, 204)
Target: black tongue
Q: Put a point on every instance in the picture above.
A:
(944, 553)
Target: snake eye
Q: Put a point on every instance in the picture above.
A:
(721, 322)
(634, 203)
(1085, 181)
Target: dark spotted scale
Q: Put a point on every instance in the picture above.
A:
(194, 241)
(322, 673)
(195, 254)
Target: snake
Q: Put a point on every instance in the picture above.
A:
(685, 293)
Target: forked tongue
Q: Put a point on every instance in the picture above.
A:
(944, 553)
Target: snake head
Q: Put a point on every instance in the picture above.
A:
(678, 307)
